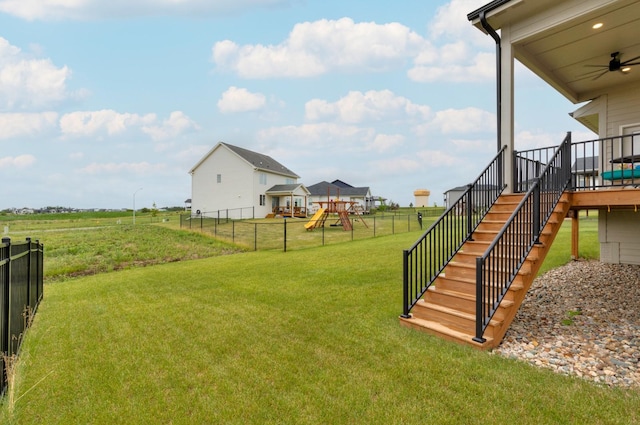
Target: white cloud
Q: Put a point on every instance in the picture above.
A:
(240, 100)
(123, 167)
(329, 136)
(100, 9)
(178, 123)
(451, 23)
(358, 107)
(532, 140)
(396, 166)
(315, 48)
(464, 54)
(20, 161)
(386, 142)
(27, 82)
(26, 124)
(86, 123)
(459, 121)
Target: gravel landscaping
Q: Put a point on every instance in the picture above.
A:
(581, 319)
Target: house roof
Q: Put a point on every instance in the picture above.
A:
(479, 187)
(325, 188)
(585, 165)
(556, 40)
(287, 189)
(257, 160)
(341, 184)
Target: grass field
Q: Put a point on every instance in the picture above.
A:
(308, 336)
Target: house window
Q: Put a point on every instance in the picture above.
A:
(219, 178)
(263, 178)
(290, 181)
(263, 200)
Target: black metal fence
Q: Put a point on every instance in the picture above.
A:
(21, 278)
(291, 233)
(424, 261)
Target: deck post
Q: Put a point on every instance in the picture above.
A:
(575, 232)
(536, 211)
(479, 298)
(405, 284)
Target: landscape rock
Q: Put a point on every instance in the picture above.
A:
(581, 319)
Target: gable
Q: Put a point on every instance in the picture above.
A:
(256, 160)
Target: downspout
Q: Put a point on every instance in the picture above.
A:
(496, 37)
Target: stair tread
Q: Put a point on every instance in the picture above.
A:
(473, 267)
(469, 297)
(454, 312)
(445, 330)
(514, 285)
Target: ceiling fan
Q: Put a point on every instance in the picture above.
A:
(615, 64)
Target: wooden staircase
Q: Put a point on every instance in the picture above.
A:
(448, 308)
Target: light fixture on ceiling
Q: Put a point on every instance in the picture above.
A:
(597, 25)
(615, 64)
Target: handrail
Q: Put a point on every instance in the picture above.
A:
(425, 260)
(498, 267)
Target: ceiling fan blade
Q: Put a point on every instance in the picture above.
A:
(631, 64)
(628, 61)
(600, 75)
(597, 66)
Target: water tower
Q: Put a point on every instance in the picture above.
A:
(422, 198)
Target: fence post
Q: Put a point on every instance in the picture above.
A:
(39, 259)
(469, 205)
(353, 223)
(479, 301)
(29, 280)
(255, 236)
(536, 211)
(7, 302)
(405, 286)
(393, 224)
(233, 232)
(374, 226)
(285, 234)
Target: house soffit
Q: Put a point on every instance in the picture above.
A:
(556, 40)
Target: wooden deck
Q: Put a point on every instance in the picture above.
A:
(615, 198)
(297, 212)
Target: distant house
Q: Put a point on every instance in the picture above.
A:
(338, 190)
(240, 183)
(452, 195)
(585, 170)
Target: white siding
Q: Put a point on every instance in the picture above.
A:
(619, 231)
(238, 192)
(623, 108)
(619, 236)
(233, 192)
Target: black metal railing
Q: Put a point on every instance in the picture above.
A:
(498, 267)
(426, 259)
(21, 278)
(607, 162)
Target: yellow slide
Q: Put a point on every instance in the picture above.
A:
(317, 217)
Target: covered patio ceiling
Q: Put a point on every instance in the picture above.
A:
(557, 40)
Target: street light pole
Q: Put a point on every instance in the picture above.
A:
(134, 205)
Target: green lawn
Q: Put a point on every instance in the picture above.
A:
(308, 336)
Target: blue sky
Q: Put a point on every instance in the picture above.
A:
(99, 99)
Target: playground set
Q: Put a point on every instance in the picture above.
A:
(342, 208)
